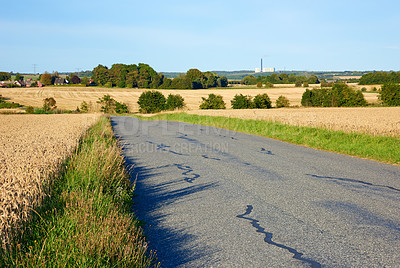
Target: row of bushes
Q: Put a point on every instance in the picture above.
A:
(261, 101)
(340, 95)
(154, 101)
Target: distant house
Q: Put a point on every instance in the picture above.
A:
(60, 81)
(40, 84)
(3, 84)
(20, 83)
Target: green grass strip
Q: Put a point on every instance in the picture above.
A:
(380, 148)
(86, 220)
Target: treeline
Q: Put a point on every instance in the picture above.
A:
(282, 78)
(143, 76)
(380, 78)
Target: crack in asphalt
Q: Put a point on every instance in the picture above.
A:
(354, 181)
(265, 151)
(187, 170)
(268, 238)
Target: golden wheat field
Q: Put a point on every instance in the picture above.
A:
(32, 148)
(371, 120)
(71, 97)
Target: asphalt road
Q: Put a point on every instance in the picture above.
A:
(217, 198)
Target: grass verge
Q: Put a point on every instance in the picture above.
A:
(86, 220)
(380, 148)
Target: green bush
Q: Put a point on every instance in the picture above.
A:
(121, 108)
(282, 101)
(84, 107)
(259, 84)
(262, 101)
(390, 94)
(30, 110)
(269, 85)
(242, 102)
(298, 83)
(305, 84)
(151, 102)
(174, 102)
(340, 95)
(213, 102)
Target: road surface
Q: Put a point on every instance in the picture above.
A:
(211, 197)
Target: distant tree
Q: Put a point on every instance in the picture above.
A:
(85, 81)
(262, 101)
(313, 79)
(19, 77)
(5, 76)
(75, 79)
(259, 84)
(46, 79)
(49, 104)
(282, 101)
(298, 83)
(84, 107)
(222, 81)
(249, 80)
(390, 94)
(101, 75)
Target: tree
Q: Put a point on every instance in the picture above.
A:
(212, 102)
(19, 77)
(390, 94)
(107, 104)
(282, 101)
(49, 104)
(222, 81)
(5, 76)
(174, 102)
(151, 102)
(85, 81)
(242, 102)
(249, 80)
(46, 79)
(262, 101)
(101, 74)
(75, 79)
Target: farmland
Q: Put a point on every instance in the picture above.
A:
(33, 148)
(71, 97)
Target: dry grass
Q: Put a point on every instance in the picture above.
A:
(370, 120)
(71, 97)
(33, 147)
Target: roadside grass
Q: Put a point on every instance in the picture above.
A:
(86, 218)
(380, 148)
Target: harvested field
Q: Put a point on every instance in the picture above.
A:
(372, 120)
(32, 148)
(72, 97)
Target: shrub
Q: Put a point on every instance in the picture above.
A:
(84, 107)
(174, 102)
(262, 101)
(282, 101)
(151, 102)
(269, 85)
(49, 104)
(30, 110)
(340, 95)
(305, 84)
(298, 83)
(364, 89)
(259, 84)
(121, 108)
(213, 102)
(107, 104)
(242, 102)
(390, 94)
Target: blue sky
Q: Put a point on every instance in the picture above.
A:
(209, 35)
